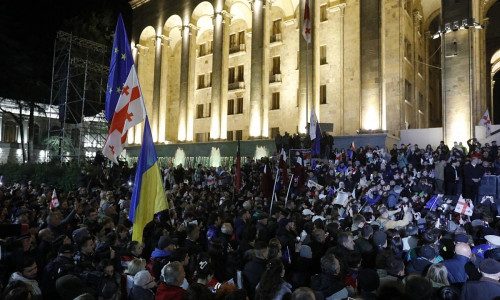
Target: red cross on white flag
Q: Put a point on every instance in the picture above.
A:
(130, 111)
(486, 122)
(54, 201)
(464, 207)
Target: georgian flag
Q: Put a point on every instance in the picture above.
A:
(130, 111)
(486, 122)
(464, 207)
(54, 201)
(306, 26)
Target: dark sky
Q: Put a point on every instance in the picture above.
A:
(28, 29)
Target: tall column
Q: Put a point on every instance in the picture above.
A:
(186, 95)
(341, 8)
(162, 117)
(1, 128)
(266, 62)
(256, 88)
(416, 65)
(220, 56)
(155, 113)
(457, 72)
(25, 129)
(305, 71)
(371, 110)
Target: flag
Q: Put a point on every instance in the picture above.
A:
(315, 133)
(464, 207)
(433, 202)
(486, 122)
(306, 30)
(266, 182)
(284, 167)
(148, 196)
(238, 168)
(119, 68)
(351, 150)
(54, 201)
(129, 110)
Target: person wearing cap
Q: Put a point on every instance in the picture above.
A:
(421, 264)
(143, 283)
(161, 255)
(262, 220)
(172, 275)
(488, 287)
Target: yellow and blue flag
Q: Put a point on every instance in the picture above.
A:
(148, 196)
(119, 68)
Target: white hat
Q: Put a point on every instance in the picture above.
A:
(494, 240)
(318, 217)
(307, 212)
(144, 279)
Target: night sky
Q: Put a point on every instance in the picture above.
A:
(28, 30)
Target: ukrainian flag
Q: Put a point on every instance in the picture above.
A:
(148, 196)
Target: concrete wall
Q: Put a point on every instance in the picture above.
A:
(422, 137)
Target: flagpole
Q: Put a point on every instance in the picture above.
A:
(274, 188)
(307, 87)
(288, 191)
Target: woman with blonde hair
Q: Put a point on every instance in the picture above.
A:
(135, 266)
(438, 275)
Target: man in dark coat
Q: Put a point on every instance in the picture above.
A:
(473, 173)
(253, 269)
(488, 287)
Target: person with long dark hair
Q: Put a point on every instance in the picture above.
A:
(272, 285)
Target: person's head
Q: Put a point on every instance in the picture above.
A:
(46, 235)
(173, 273)
(166, 243)
(204, 271)
(144, 279)
(367, 280)
(346, 240)
(366, 232)
(438, 273)
(490, 268)
(19, 293)
(418, 288)
(28, 268)
(319, 235)
(193, 232)
(271, 279)
(181, 255)
(261, 250)
(135, 248)
(303, 293)
(330, 264)
(136, 265)
(448, 293)
(87, 246)
(395, 266)
(199, 291)
(463, 249)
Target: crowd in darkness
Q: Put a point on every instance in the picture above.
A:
(359, 223)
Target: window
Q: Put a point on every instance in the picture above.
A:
(408, 91)
(232, 40)
(239, 107)
(274, 132)
(241, 37)
(276, 65)
(209, 79)
(408, 50)
(200, 137)
(239, 135)
(201, 81)
(275, 103)
(420, 65)
(210, 47)
(202, 49)
(322, 13)
(241, 73)
(230, 107)
(209, 110)
(407, 6)
(230, 76)
(322, 59)
(322, 94)
(230, 136)
(199, 111)
(421, 101)
(276, 31)
(9, 132)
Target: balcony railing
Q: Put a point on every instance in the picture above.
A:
(276, 38)
(239, 85)
(275, 78)
(237, 48)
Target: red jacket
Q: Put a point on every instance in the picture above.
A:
(170, 292)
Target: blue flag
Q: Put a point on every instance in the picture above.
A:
(432, 203)
(315, 134)
(148, 196)
(119, 68)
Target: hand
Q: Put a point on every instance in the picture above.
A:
(405, 208)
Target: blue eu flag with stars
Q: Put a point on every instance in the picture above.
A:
(119, 68)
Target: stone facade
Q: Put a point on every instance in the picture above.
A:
(240, 69)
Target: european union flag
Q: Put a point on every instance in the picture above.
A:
(432, 203)
(119, 68)
(148, 196)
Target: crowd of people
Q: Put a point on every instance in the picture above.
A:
(366, 223)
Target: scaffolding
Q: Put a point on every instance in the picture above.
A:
(78, 91)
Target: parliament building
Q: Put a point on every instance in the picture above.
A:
(226, 70)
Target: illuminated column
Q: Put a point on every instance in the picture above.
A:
(341, 8)
(155, 112)
(305, 72)
(25, 129)
(186, 96)
(131, 131)
(266, 62)
(416, 66)
(162, 117)
(142, 74)
(371, 110)
(1, 126)
(218, 126)
(256, 88)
